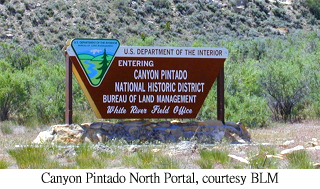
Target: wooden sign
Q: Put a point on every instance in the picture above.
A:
(144, 82)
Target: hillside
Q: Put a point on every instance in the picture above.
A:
(272, 70)
(174, 22)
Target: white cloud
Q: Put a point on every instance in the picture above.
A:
(94, 51)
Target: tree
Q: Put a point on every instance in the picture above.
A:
(286, 86)
(104, 65)
(314, 6)
(12, 90)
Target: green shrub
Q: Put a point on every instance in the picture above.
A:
(86, 160)
(261, 161)
(146, 159)
(208, 110)
(286, 86)
(46, 103)
(250, 110)
(205, 163)
(314, 6)
(32, 84)
(161, 4)
(243, 96)
(140, 159)
(143, 41)
(4, 164)
(30, 157)
(6, 127)
(12, 90)
(269, 79)
(279, 12)
(166, 162)
(299, 160)
(208, 158)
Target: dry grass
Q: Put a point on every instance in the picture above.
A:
(279, 133)
(266, 141)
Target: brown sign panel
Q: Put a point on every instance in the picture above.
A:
(144, 82)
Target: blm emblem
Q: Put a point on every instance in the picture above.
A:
(95, 57)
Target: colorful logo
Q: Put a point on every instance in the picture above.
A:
(95, 57)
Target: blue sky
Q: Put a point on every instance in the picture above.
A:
(95, 47)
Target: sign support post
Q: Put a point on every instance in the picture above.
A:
(68, 110)
(220, 95)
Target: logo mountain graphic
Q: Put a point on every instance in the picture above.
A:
(95, 56)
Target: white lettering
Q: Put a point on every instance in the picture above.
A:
(146, 74)
(146, 98)
(136, 110)
(174, 74)
(136, 63)
(176, 98)
(158, 110)
(155, 51)
(206, 52)
(116, 110)
(190, 87)
(161, 87)
(114, 98)
(129, 87)
(181, 110)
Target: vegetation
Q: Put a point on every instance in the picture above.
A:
(144, 157)
(208, 158)
(86, 157)
(261, 161)
(300, 160)
(271, 74)
(270, 80)
(86, 160)
(314, 6)
(272, 71)
(266, 80)
(51, 23)
(32, 158)
(4, 164)
(6, 127)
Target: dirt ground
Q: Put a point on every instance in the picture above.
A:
(281, 136)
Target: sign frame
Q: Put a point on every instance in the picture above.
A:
(70, 66)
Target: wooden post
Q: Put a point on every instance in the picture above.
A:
(220, 95)
(68, 111)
